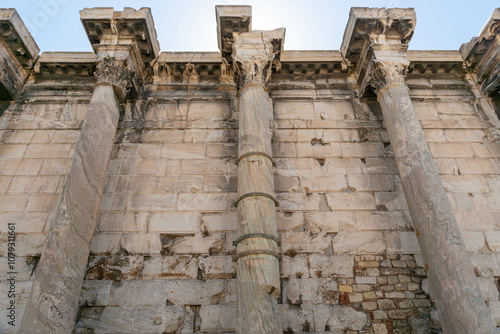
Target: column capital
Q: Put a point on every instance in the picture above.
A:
(385, 74)
(253, 55)
(376, 35)
(116, 73)
(18, 53)
(482, 55)
(128, 35)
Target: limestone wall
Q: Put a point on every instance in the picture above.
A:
(161, 259)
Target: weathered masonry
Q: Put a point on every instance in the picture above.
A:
(251, 190)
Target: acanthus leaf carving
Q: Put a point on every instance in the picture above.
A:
(253, 68)
(115, 72)
(387, 74)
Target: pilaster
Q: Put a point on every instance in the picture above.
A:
(18, 53)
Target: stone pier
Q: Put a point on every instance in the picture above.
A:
(53, 302)
(455, 288)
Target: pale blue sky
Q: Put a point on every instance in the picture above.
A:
(189, 25)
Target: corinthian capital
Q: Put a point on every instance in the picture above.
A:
(114, 71)
(253, 68)
(386, 74)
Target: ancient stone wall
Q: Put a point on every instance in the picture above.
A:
(161, 259)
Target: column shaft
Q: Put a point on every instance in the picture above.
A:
(258, 281)
(453, 283)
(53, 303)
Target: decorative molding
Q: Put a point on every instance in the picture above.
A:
(387, 74)
(114, 71)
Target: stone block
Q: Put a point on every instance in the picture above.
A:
(474, 241)
(203, 202)
(29, 244)
(371, 182)
(331, 265)
(13, 202)
(493, 240)
(350, 201)
(105, 243)
(176, 223)
(218, 318)
(183, 151)
(289, 221)
(123, 222)
(391, 201)
(34, 184)
(151, 202)
(20, 166)
(42, 202)
(465, 183)
(296, 266)
(381, 220)
(359, 243)
(294, 110)
(137, 150)
(286, 183)
(116, 319)
(298, 202)
(402, 242)
(330, 222)
(13, 151)
(326, 150)
(25, 222)
(490, 150)
(451, 150)
(217, 267)
(116, 268)
(466, 136)
(48, 151)
(478, 166)
(339, 318)
(52, 166)
(219, 222)
(296, 319)
(170, 267)
(130, 184)
(333, 110)
(310, 291)
(487, 264)
(113, 202)
(199, 244)
(304, 242)
(323, 183)
(141, 243)
(362, 150)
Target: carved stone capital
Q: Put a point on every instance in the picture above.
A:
(253, 68)
(386, 74)
(115, 72)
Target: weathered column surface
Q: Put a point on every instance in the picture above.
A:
(124, 42)
(257, 266)
(53, 302)
(453, 283)
(375, 44)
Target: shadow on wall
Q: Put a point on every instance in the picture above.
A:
(3, 106)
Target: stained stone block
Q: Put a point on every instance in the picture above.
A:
(339, 318)
(310, 290)
(493, 240)
(350, 201)
(331, 265)
(95, 293)
(330, 222)
(217, 267)
(296, 266)
(170, 267)
(147, 319)
(218, 318)
(298, 202)
(303, 242)
(323, 184)
(141, 243)
(359, 243)
(219, 222)
(116, 268)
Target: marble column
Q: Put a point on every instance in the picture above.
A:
(53, 302)
(257, 266)
(453, 283)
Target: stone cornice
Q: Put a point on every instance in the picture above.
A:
(376, 34)
(128, 35)
(482, 55)
(18, 53)
(231, 19)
